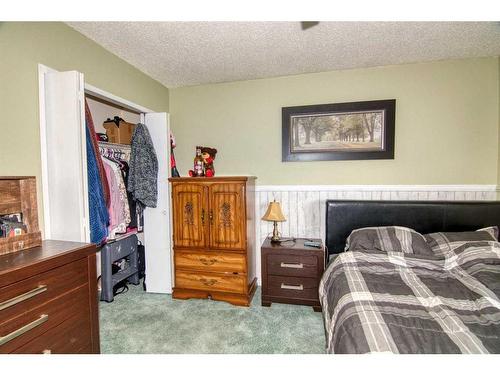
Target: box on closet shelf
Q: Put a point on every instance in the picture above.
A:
(18, 214)
(118, 130)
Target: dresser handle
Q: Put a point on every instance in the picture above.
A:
(208, 262)
(291, 265)
(211, 216)
(28, 327)
(209, 282)
(46, 351)
(293, 287)
(23, 297)
(202, 216)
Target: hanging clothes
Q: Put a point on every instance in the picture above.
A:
(124, 168)
(102, 176)
(119, 209)
(143, 173)
(98, 212)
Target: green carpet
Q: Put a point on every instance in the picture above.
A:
(139, 322)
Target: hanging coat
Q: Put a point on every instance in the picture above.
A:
(143, 172)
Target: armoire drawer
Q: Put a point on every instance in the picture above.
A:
(71, 336)
(206, 261)
(210, 281)
(23, 328)
(27, 294)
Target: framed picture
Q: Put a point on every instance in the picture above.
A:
(339, 131)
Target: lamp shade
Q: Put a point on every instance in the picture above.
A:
(274, 213)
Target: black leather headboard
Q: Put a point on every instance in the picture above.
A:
(343, 216)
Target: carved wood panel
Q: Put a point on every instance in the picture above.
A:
(190, 215)
(227, 216)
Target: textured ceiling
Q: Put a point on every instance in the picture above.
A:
(191, 53)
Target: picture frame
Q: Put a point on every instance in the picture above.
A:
(339, 131)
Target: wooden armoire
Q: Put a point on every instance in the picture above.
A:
(214, 238)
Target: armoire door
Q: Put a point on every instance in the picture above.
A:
(227, 216)
(190, 215)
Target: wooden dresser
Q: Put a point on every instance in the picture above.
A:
(48, 299)
(214, 238)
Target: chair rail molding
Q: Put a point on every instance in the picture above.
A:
(304, 205)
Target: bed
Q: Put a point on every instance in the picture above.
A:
(375, 301)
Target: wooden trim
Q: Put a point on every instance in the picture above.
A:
(211, 179)
(377, 188)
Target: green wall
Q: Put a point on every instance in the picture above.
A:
(22, 47)
(447, 124)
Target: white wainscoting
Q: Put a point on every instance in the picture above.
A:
(304, 205)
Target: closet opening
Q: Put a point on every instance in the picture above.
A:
(65, 99)
(113, 127)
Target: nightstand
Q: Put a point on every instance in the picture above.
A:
(291, 272)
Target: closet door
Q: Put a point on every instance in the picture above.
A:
(227, 216)
(157, 220)
(64, 158)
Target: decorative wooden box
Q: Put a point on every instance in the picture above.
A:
(18, 195)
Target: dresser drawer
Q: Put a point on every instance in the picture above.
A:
(211, 262)
(292, 265)
(71, 336)
(25, 295)
(292, 287)
(23, 328)
(210, 281)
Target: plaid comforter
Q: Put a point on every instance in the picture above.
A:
(403, 303)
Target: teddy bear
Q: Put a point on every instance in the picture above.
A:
(208, 155)
(203, 162)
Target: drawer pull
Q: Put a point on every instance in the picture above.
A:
(46, 351)
(28, 327)
(208, 262)
(291, 265)
(22, 297)
(208, 282)
(293, 287)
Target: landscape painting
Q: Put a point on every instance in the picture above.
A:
(351, 131)
(358, 130)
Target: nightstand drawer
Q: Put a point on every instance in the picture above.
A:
(292, 287)
(292, 265)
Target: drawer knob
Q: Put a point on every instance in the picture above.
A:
(292, 287)
(291, 265)
(208, 262)
(23, 297)
(208, 282)
(28, 327)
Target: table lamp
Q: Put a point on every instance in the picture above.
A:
(274, 214)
